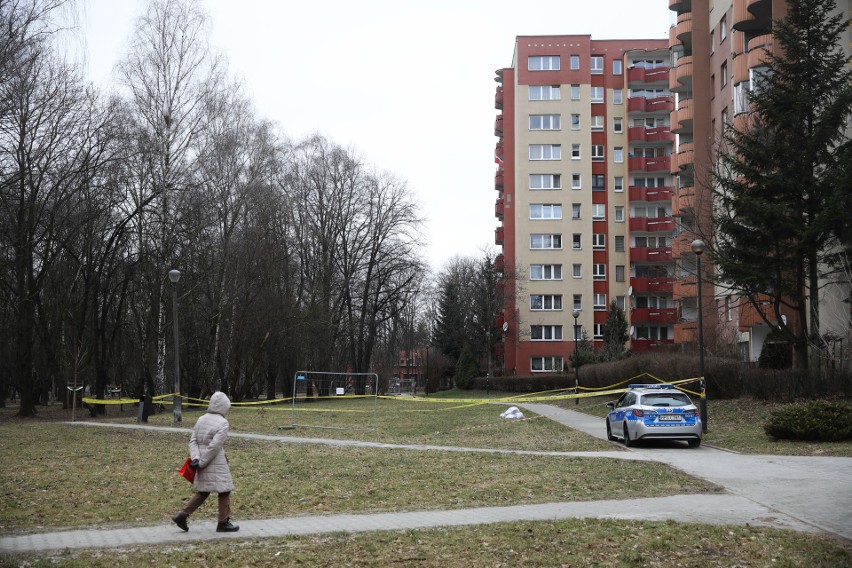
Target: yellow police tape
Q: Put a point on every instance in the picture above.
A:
(541, 396)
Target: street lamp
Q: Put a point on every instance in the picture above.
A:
(576, 314)
(698, 248)
(174, 276)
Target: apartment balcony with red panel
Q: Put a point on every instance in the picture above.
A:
(682, 118)
(684, 202)
(646, 104)
(498, 179)
(682, 31)
(653, 315)
(498, 98)
(499, 209)
(498, 125)
(680, 80)
(656, 164)
(644, 75)
(680, 5)
(652, 284)
(647, 345)
(652, 224)
(759, 49)
(651, 193)
(647, 254)
(751, 15)
(499, 266)
(498, 236)
(684, 157)
(656, 134)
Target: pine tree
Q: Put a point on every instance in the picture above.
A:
(778, 193)
(614, 333)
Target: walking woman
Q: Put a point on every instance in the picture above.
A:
(207, 451)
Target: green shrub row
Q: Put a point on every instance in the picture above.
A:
(815, 421)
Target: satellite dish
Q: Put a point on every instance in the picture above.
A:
(505, 326)
(632, 332)
(783, 319)
(630, 291)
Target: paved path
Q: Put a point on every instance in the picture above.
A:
(804, 494)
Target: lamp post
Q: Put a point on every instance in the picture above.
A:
(576, 314)
(698, 248)
(174, 276)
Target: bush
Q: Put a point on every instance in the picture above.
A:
(466, 369)
(539, 382)
(816, 421)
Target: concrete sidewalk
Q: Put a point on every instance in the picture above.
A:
(799, 493)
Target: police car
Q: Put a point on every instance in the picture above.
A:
(653, 412)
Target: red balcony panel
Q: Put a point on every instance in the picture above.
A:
(498, 125)
(643, 75)
(682, 31)
(499, 209)
(498, 180)
(498, 98)
(660, 254)
(653, 315)
(498, 150)
(499, 266)
(652, 284)
(649, 224)
(649, 345)
(658, 164)
(498, 236)
(651, 193)
(751, 15)
(681, 78)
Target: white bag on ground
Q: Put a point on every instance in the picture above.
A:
(512, 412)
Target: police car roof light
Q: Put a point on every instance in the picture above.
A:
(654, 386)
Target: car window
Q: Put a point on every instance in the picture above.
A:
(666, 399)
(626, 400)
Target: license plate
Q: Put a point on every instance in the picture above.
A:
(669, 417)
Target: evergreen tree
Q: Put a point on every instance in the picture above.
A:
(583, 353)
(780, 203)
(448, 335)
(466, 369)
(614, 333)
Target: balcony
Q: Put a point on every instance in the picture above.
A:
(658, 164)
(498, 236)
(651, 284)
(664, 193)
(500, 264)
(751, 15)
(498, 126)
(680, 5)
(656, 104)
(498, 180)
(682, 31)
(759, 49)
(498, 150)
(680, 80)
(499, 209)
(682, 118)
(644, 75)
(652, 224)
(656, 134)
(653, 315)
(647, 254)
(498, 98)
(684, 158)
(684, 202)
(647, 345)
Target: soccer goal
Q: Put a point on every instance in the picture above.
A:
(341, 401)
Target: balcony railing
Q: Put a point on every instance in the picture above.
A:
(498, 236)
(682, 118)
(498, 180)
(645, 75)
(663, 193)
(751, 15)
(646, 345)
(656, 104)
(499, 266)
(499, 209)
(656, 134)
(682, 31)
(656, 164)
(498, 125)
(652, 224)
(653, 315)
(652, 284)
(646, 254)
(498, 98)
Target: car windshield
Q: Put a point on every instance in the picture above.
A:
(666, 399)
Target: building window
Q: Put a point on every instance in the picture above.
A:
(598, 212)
(546, 272)
(546, 332)
(598, 154)
(619, 273)
(575, 92)
(724, 73)
(597, 94)
(545, 151)
(576, 181)
(618, 184)
(545, 181)
(546, 364)
(619, 213)
(545, 211)
(545, 241)
(599, 241)
(545, 122)
(598, 330)
(597, 123)
(547, 302)
(712, 41)
(575, 122)
(619, 243)
(575, 211)
(575, 151)
(575, 62)
(621, 302)
(618, 125)
(598, 182)
(543, 63)
(600, 301)
(544, 93)
(723, 28)
(577, 241)
(597, 65)
(617, 66)
(617, 96)
(578, 302)
(599, 272)
(577, 271)
(618, 155)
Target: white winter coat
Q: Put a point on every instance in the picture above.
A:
(207, 445)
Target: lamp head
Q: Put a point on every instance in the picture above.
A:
(576, 314)
(174, 275)
(697, 246)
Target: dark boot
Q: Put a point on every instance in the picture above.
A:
(180, 520)
(227, 526)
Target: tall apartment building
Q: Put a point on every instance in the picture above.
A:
(584, 195)
(718, 48)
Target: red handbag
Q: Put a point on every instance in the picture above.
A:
(187, 471)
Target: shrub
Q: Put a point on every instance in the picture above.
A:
(819, 420)
(466, 369)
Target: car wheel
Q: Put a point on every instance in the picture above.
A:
(627, 441)
(694, 443)
(609, 435)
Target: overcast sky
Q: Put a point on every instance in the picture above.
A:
(408, 83)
